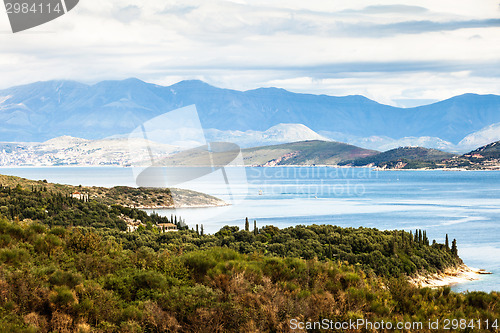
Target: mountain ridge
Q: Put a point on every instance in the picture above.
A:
(44, 110)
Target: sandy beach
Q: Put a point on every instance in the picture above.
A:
(449, 277)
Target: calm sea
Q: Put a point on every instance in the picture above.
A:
(464, 205)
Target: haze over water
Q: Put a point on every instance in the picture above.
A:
(466, 205)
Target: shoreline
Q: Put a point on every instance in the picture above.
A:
(245, 166)
(225, 204)
(449, 277)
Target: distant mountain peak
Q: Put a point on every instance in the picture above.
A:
(65, 139)
(44, 110)
(192, 84)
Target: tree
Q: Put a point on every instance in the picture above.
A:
(202, 231)
(197, 231)
(426, 239)
(255, 230)
(247, 226)
(454, 249)
(446, 243)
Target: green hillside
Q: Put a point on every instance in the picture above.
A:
(483, 158)
(122, 195)
(314, 152)
(67, 265)
(403, 157)
(490, 151)
(304, 153)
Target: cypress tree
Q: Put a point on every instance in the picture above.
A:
(197, 231)
(202, 232)
(247, 225)
(454, 249)
(446, 243)
(255, 230)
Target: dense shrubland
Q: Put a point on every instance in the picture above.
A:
(388, 253)
(66, 265)
(54, 208)
(82, 279)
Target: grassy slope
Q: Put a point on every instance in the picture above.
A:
(122, 195)
(305, 153)
(491, 150)
(417, 154)
(296, 153)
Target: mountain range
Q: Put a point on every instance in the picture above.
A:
(68, 150)
(44, 110)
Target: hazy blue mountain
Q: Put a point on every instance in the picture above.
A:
(44, 110)
(281, 133)
(482, 137)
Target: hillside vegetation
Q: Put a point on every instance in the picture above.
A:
(404, 158)
(491, 150)
(120, 195)
(483, 158)
(85, 280)
(66, 265)
(304, 153)
(313, 152)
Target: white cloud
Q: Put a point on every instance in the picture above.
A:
(127, 14)
(391, 52)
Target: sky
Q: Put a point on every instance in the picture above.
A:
(402, 53)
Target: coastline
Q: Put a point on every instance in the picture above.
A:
(183, 206)
(247, 166)
(449, 277)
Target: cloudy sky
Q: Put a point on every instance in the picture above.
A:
(396, 52)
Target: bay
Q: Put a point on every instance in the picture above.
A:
(463, 204)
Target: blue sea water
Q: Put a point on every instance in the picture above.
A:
(464, 205)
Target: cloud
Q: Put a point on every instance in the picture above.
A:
(384, 9)
(418, 27)
(178, 9)
(127, 14)
(391, 52)
(351, 69)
